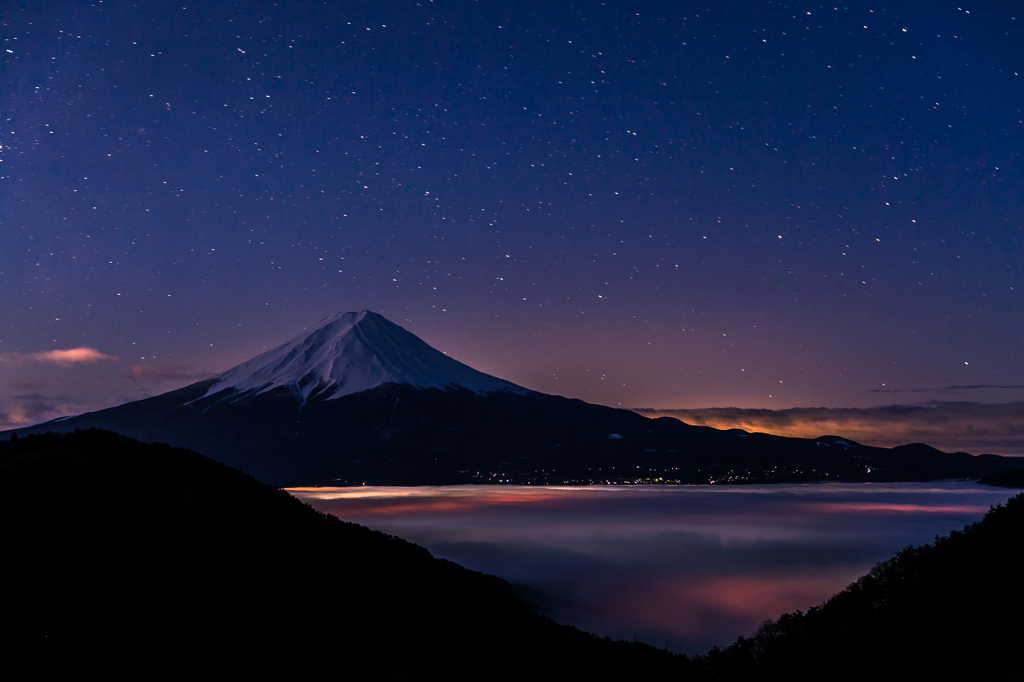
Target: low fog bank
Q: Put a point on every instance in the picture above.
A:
(689, 567)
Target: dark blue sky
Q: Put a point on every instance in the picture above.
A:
(649, 204)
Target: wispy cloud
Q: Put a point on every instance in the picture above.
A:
(61, 357)
(32, 408)
(33, 402)
(139, 373)
(947, 389)
(948, 425)
(27, 386)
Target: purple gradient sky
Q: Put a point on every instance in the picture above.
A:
(659, 204)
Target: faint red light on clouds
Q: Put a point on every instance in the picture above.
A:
(61, 357)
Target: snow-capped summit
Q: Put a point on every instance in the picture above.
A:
(352, 352)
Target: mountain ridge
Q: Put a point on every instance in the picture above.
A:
(293, 417)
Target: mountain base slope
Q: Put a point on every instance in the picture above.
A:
(147, 558)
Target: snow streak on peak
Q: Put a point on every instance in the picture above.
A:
(352, 352)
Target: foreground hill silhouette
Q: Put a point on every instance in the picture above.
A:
(358, 399)
(147, 558)
(952, 610)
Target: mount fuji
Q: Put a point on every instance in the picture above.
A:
(349, 353)
(360, 400)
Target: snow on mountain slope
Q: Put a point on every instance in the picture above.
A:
(352, 352)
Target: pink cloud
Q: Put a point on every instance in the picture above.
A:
(61, 357)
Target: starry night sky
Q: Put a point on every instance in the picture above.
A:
(658, 204)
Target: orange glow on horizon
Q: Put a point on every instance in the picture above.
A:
(949, 426)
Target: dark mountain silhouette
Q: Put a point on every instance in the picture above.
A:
(147, 560)
(1005, 478)
(361, 400)
(952, 610)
